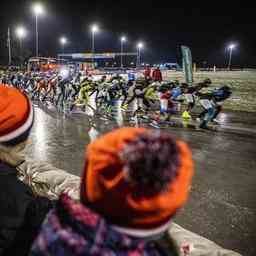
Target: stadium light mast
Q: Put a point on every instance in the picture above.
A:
(9, 46)
(94, 30)
(231, 47)
(63, 42)
(38, 10)
(140, 46)
(21, 33)
(123, 40)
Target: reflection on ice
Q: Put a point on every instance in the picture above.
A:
(41, 134)
(93, 133)
(118, 115)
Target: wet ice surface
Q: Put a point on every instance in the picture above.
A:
(222, 203)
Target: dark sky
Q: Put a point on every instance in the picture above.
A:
(206, 27)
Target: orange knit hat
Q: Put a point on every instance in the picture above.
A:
(137, 179)
(16, 116)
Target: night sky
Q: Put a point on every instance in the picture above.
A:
(206, 27)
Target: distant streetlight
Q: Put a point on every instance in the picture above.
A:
(123, 40)
(21, 33)
(38, 10)
(140, 46)
(63, 42)
(231, 47)
(94, 30)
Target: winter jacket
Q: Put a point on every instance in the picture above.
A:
(157, 75)
(205, 96)
(176, 92)
(150, 94)
(139, 91)
(21, 213)
(147, 73)
(73, 229)
(221, 94)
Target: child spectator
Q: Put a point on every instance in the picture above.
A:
(134, 182)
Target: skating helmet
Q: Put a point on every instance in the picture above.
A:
(207, 81)
(225, 88)
(176, 82)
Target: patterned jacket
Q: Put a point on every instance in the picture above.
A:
(73, 229)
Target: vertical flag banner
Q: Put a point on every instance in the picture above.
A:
(187, 64)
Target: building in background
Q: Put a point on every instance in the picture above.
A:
(101, 60)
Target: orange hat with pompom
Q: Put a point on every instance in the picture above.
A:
(16, 116)
(137, 179)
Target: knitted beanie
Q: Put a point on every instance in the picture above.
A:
(137, 179)
(16, 116)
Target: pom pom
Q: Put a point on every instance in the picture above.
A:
(151, 162)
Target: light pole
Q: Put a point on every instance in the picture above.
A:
(231, 47)
(63, 42)
(21, 33)
(123, 40)
(38, 10)
(94, 30)
(139, 48)
(9, 46)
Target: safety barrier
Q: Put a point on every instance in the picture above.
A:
(49, 181)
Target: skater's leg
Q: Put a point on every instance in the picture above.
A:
(202, 114)
(210, 113)
(218, 109)
(131, 99)
(125, 94)
(146, 103)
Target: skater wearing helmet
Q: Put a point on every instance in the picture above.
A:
(212, 104)
(219, 96)
(190, 92)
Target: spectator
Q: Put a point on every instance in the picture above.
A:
(147, 73)
(157, 75)
(21, 212)
(134, 182)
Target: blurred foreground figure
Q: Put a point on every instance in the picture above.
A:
(21, 213)
(134, 181)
